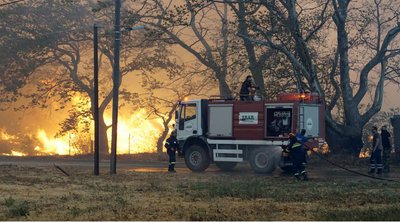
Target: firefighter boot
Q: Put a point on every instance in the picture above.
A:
(371, 171)
(297, 175)
(304, 175)
(379, 171)
(172, 168)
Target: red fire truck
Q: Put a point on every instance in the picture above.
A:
(227, 132)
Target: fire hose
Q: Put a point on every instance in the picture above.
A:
(347, 169)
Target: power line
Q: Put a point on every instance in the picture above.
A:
(10, 3)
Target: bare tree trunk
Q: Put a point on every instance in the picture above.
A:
(347, 140)
(224, 90)
(103, 143)
(161, 139)
(256, 65)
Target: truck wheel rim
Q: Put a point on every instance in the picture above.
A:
(261, 160)
(195, 158)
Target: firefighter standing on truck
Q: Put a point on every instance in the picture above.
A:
(297, 154)
(247, 88)
(172, 146)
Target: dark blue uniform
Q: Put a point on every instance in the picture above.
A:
(297, 154)
(245, 91)
(376, 156)
(172, 146)
(303, 139)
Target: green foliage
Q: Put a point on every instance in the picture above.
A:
(16, 209)
(75, 211)
(390, 213)
(8, 202)
(20, 209)
(380, 119)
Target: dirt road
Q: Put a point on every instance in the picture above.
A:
(318, 169)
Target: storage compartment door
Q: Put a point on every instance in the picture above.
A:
(220, 121)
(279, 121)
(309, 119)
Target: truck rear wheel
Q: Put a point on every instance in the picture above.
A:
(196, 158)
(226, 166)
(263, 160)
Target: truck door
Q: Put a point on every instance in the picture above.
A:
(309, 119)
(188, 120)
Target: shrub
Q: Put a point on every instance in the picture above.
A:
(8, 202)
(20, 209)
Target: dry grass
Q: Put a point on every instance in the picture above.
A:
(39, 193)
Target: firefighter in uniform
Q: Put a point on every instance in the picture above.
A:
(248, 89)
(302, 138)
(172, 146)
(376, 156)
(297, 153)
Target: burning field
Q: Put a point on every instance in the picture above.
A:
(35, 192)
(136, 134)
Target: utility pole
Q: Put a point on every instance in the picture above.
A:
(129, 144)
(116, 80)
(96, 99)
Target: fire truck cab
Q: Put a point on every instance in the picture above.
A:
(227, 132)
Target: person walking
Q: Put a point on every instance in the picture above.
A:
(376, 156)
(172, 146)
(297, 155)
(387, 148)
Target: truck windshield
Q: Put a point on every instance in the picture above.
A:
(189, 112)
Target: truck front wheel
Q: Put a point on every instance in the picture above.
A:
(196, 158)
(263, 160)
(226, 166)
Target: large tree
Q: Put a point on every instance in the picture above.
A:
(64, 31)
(165, 91)
(363, 54)
(201, 29)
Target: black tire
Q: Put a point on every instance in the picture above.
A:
(196, 158)
(226, 166)
(263, 160)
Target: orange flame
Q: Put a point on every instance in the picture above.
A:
(51, 146)
(136, 134)
(364, 153)
(14, 153)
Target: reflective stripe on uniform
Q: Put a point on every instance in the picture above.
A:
(296, 145)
